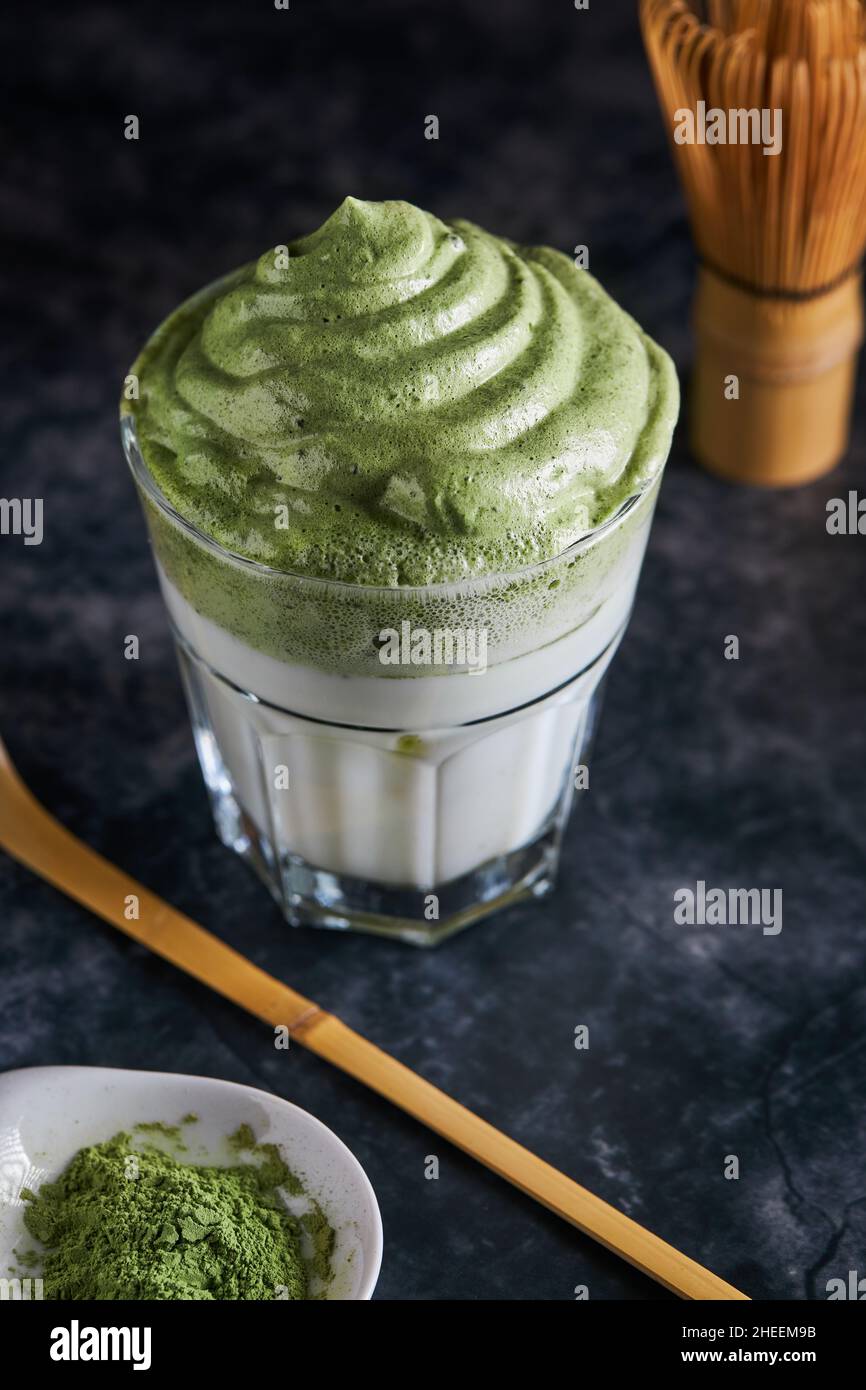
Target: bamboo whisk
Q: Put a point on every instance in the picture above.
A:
(778, 313)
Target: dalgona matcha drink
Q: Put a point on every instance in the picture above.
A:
(399, 476)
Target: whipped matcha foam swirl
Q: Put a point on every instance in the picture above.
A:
(397, 400)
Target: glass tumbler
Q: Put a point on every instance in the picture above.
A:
(394, 760)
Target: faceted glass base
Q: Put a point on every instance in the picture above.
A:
(314, 897)
(358, 798)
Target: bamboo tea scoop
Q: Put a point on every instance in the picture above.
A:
(40, 842)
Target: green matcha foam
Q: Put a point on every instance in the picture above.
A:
(395, 400)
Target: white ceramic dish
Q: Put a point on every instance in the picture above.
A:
(48, 1113)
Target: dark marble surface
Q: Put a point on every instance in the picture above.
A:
(254, 124)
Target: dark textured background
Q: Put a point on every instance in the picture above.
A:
(254, 125)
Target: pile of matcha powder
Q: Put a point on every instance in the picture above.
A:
(130, 1220)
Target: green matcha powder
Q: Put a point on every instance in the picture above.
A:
(132, 1221)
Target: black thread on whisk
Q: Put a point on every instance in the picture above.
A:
(779, 291)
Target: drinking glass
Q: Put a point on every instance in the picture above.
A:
(394, 760)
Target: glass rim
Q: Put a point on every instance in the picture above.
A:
(526, 573)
